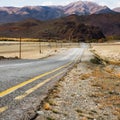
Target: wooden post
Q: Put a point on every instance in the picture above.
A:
(61, 44)
(40, 46)
(50, 46)
(56, 43)
(20, 50)
(69, 41)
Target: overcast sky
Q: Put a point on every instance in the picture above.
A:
(20, 3)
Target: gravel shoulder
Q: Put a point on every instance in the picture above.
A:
(88, 92)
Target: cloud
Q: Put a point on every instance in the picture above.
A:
(117, 4)
(47, 3)
(108, 3)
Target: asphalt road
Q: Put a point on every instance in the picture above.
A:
(23, 83)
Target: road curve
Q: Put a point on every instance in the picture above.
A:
(21, 80)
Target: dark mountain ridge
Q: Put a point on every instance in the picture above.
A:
(73, 27)
(108, 23)
(55, 29)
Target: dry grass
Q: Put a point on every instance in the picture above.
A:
(108, 51)
(85, 76)
(31, 50)
(108, 89)
(46, 106)
(17, 39)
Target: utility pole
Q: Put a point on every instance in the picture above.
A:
(69, 41)
(61, 44)
(40, 46)
(20, 48)
(56, 43)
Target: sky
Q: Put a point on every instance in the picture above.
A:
(21, 3)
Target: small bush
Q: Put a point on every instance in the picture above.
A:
(95, 60)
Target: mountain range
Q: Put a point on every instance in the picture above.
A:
(77, 21)
(74, 27)
(14, 14)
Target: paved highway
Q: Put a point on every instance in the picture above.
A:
(23, 83)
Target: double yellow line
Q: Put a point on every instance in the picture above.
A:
(37, 86)
(12, 89)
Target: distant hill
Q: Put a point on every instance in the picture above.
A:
(67, 28)
(14, 14)
(108, 23)
(73, 27)
(116, 9)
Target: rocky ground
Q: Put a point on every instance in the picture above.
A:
(88, 92)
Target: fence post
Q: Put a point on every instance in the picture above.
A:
(20, 48)
(56, 43)
(40, 46)
(61, 44)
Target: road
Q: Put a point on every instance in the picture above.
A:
(24, 83)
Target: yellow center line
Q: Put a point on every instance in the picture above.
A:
(36, 87)
(2, 109)
(39, 85)
(9, 90)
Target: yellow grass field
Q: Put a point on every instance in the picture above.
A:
(108, 51)
(31, 50)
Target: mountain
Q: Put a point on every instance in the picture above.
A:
(108, 23)
(63, 28)
(14, 14)
(116, 9)
(95, 26)
(85, 8)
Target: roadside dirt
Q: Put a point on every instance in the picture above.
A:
(88, 92)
